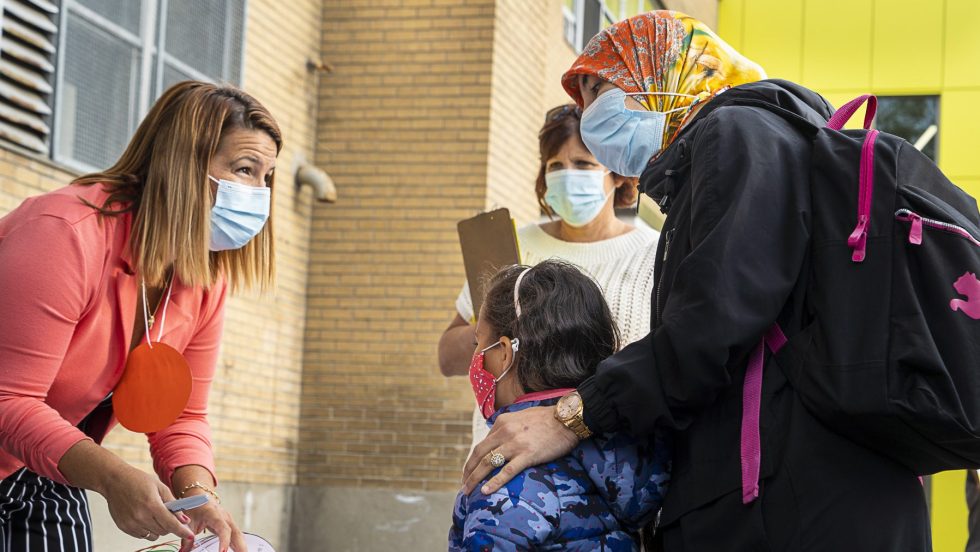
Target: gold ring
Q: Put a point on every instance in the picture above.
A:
(496, 459)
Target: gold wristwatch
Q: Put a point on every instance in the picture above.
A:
(569, 412)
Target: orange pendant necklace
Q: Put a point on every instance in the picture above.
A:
(156, 383)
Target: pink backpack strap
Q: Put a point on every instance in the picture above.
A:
(751, 443)
(844, 114)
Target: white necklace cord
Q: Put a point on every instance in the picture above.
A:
(146, 314)
(163, 316)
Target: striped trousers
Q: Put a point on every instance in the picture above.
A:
(39, 515)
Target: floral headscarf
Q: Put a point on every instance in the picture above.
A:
(662, 51)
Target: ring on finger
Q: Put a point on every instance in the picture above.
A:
(496, 459)
(147, 536)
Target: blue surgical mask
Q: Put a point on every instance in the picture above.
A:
(623, 139)
(576, 196)
(238, 215)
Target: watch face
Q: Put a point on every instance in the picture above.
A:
(568, 406)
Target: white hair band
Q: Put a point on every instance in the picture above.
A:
(517, 294)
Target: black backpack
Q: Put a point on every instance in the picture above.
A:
(892, 357)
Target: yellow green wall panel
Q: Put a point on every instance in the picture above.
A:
(908, 47)
(837, 44)
(949, 526)
(969, 185)
(962, 51)
(959, 128)
(730, 22)
(771, 36)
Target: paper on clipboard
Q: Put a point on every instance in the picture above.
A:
(650, 213)
(489, 243)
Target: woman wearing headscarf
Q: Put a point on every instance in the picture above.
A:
(665, 99)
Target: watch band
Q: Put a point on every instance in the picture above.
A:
(577, 425)
(576, 422)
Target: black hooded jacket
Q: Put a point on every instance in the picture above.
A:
(734, 184)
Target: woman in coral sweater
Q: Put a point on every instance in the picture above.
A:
(112, 291)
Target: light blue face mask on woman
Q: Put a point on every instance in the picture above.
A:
(576, 196)
(623, 139)
(238, 215)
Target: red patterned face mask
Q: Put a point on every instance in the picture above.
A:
(483, 382)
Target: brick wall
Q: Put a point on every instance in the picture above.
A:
(404, 132)
(256, 400)
(517, 107)
(25, 175)
(560, 56)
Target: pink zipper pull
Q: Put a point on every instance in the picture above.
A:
(915, 232)
(858, 240)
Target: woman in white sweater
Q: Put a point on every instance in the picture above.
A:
(580, 195)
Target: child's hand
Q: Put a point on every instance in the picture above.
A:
(525, 438)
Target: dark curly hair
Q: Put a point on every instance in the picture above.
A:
(561, 124)
(565, 328)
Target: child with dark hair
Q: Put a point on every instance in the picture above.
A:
(540, 333)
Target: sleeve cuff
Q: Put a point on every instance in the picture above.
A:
(47, 466)
(626, 392)
(597, 413)
(187, 457)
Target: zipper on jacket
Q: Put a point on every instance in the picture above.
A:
(917, 222)
(668, 183)
(667, 237)
(664, 201)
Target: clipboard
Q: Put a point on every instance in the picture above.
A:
(489, 243)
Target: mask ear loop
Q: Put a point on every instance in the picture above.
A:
(163, 315)
(701, 99)
(671, 94)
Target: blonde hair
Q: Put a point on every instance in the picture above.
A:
(162, 178)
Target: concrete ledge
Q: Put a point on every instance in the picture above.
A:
(342, 519)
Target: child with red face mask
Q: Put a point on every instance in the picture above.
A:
(541, 332)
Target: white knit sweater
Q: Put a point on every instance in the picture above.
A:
(622, 266)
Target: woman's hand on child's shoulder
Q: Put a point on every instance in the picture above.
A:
(525, 438)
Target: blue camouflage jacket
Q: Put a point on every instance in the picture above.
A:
(596, 498)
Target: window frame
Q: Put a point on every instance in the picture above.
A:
(35, 71)
(153, 23)
(574, 18)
